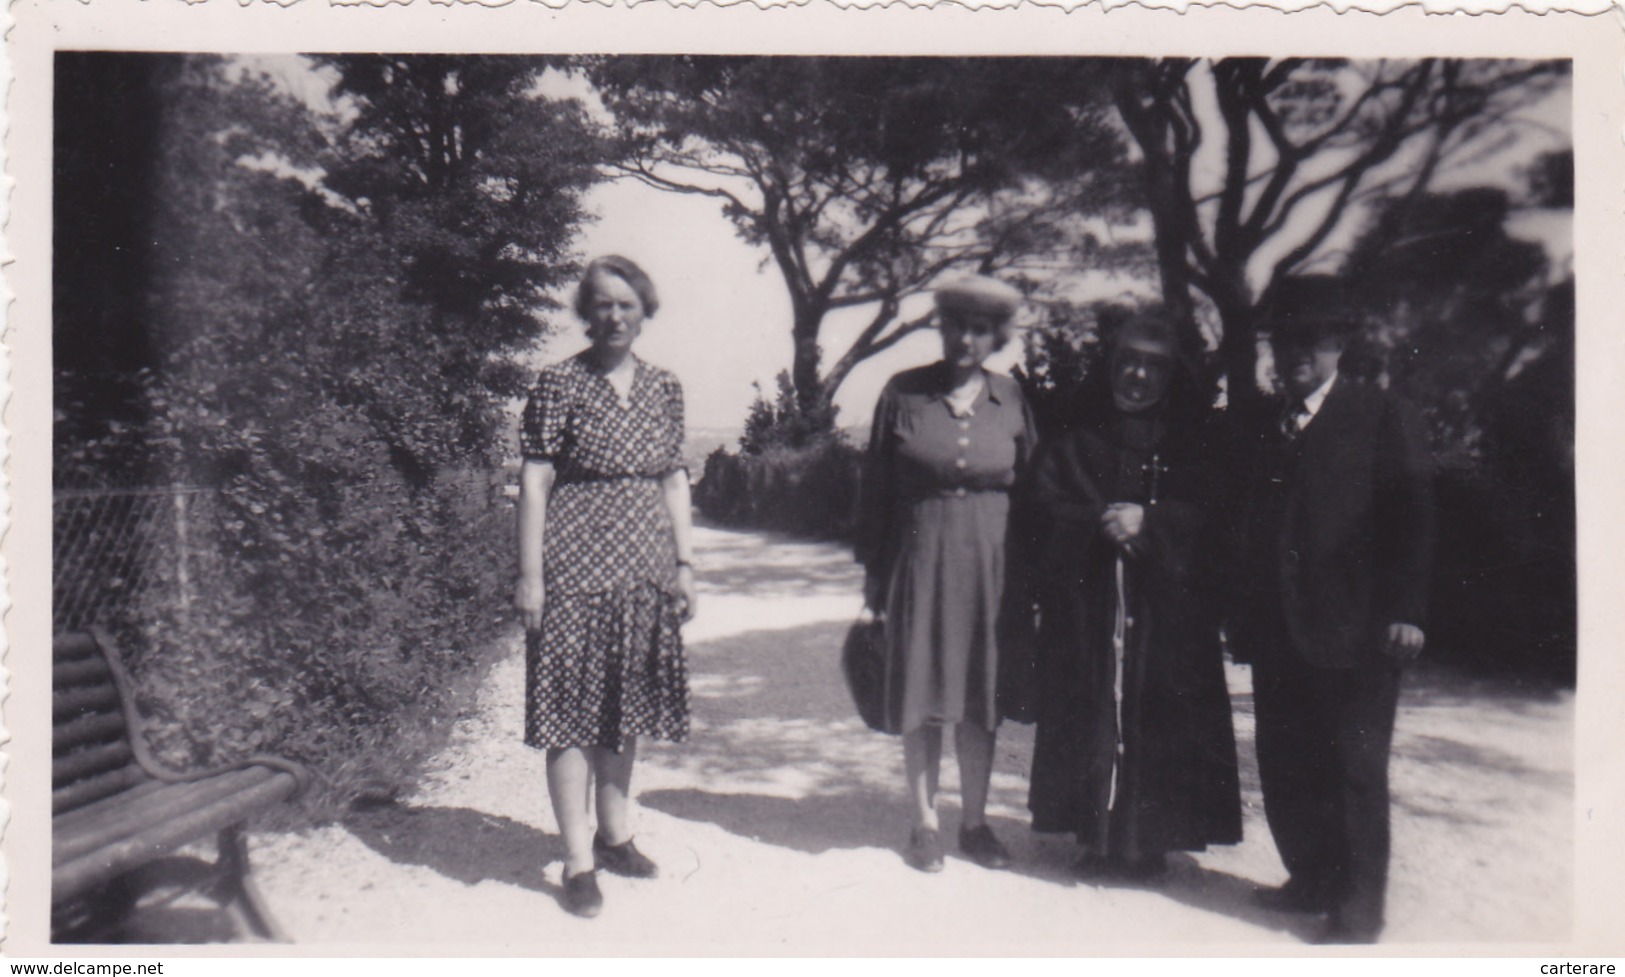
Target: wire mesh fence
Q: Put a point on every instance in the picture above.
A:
(110, 548)
(114, 550)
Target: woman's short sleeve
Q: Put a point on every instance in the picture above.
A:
(673, 449)
(541, 434)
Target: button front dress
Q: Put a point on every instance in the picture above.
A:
(933, 521)
(608, 661)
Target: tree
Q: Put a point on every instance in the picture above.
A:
(1451, 301)
(867, 178)
(1298, 146)
(1551, 179)
(470, 182)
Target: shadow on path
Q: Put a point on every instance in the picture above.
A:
(1435, 684)
(778, 673)
(459, 843)
(769, 565)
(812, 825)
(1230, 895)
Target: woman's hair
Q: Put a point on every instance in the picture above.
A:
(627, 271)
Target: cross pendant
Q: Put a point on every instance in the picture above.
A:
(1153, 470)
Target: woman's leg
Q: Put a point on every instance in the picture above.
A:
(922, 760)
(614, 774)
(569, 787)
(973, 744)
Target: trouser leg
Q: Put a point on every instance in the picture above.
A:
(1365, 738)
(1297, 769)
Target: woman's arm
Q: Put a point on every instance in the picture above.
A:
(675, 488)
(535, 484)
(875, 505)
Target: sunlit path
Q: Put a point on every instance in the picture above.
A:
(778, 824)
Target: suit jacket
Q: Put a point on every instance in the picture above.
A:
(1336, 529)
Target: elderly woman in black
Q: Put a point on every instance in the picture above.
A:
(1134, 752)
(606, 574)
(947, 445)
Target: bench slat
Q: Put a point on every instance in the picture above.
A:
(88, 671)
(93, 728)
(79, 764)
(74, 702)
(170, 801)
(74, 877)
(73, 820)
(84, 791)
(75, 644)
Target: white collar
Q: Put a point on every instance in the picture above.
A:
(1313, 402)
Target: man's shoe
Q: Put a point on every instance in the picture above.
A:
(983, 847)
(581, 895)
(623, 859)
(1146, 868)
(1292, 898)
(1340, 933)
(924, 850)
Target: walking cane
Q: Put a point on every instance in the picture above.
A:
(1122, 625)
(1120, 629)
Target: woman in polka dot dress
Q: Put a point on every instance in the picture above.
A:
(606, 578)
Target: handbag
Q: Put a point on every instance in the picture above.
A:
(863, 663)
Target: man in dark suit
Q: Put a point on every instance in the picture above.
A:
(1335, 541)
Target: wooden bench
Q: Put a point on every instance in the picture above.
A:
(118, 816)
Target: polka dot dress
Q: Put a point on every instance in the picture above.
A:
(608, 661)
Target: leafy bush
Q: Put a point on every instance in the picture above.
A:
(808, 491)
(785, 424)
(341, 639)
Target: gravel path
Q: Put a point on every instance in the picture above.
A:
(778, 825)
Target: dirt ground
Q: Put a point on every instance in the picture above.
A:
(778, 826)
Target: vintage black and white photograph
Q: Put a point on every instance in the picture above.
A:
(928, 503)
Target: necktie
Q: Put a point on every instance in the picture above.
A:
(1294, 418)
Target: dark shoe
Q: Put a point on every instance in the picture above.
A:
(1091, 868)
(1292, 898)
(1146, 868)
(924, 850)
(1339, 933)
(581, 895)
(623, 859)
(983, 848)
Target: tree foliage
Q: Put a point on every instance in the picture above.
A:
(1298, 145)
(864, 179)
(783, 423)
(304, 366)
(468, 188)
(1451, 303)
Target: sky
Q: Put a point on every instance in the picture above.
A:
(724, 317)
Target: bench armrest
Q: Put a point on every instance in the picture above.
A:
(150, 764)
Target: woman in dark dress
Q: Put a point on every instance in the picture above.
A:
(1134, 750)
(606, 574)
(946, 448)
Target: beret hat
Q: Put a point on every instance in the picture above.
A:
(978, 294)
